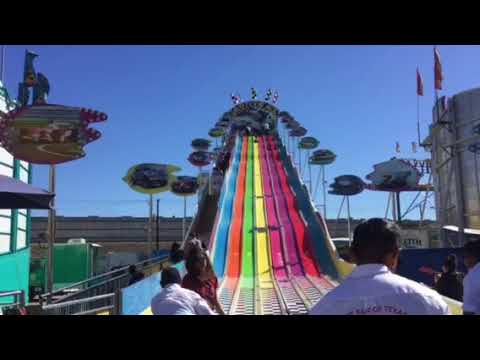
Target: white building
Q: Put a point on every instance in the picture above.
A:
(14, 224)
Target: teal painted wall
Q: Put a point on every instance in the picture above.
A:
(15, 265)
(15, 272)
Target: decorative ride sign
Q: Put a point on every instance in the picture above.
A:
(423, 166)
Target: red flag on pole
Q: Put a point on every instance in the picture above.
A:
(438, 69)
(419, 84)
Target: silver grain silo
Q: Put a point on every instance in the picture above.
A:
(455, 145)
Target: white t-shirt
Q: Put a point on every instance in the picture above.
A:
(175, 300)
(471, 290)
(373, 289)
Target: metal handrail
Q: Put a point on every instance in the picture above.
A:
(97, 280)
(97, 311)
(18, 300)
(76, 302)
(19, 297)
(109, 285)
(87, 306)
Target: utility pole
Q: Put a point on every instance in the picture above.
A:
(158, 225)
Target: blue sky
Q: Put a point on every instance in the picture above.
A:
(357, 100)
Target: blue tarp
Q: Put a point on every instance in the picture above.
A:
(137, 297)
(411, 260)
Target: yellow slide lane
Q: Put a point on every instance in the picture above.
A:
(263, 260)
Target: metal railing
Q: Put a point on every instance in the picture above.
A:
(107, 304)
(106, 283)
(18, 298)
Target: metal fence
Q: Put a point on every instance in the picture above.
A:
(18, 300)
(107, 304)
(103, 284)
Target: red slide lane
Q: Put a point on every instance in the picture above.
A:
(299, 228)
(272, 221)
(291, 256)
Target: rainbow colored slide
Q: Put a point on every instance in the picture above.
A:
(269, 257)
(269, 246)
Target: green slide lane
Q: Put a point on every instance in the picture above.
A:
(247, 250)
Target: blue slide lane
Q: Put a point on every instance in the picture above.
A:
(136, 298)
(317, 235)
(226, 210)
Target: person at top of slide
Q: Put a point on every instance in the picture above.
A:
(372, 288)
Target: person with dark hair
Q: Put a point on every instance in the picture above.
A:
(175, 300)
(201, 279)
(176, 254)
(192, 244)
(449, 282)
(372, 288)
(135, 275)
(471, 283)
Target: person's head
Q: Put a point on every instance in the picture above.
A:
(196, 264)
(175, 247)
(471, 253)
(376, 241)
(170, 275)
(450, 264)
(132, 269)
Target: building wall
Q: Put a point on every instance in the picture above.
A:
(128, 234)
(412, 235)
(118, 234)
(14, 224)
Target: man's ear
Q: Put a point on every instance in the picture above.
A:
(391, 260)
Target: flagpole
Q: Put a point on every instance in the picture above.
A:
(2, 67)
(436, 90)
(184, 217)
(324, 193)
(418, 120)
(150, 225)
(309, 174)
(315, 191)
(300, 162)
(348, 220)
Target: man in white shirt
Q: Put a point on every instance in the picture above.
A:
(175, 300)
(471, 282)
(372, 288)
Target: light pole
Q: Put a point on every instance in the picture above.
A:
(51, 235)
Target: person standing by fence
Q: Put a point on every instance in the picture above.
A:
(471, 283)
(449, 282)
